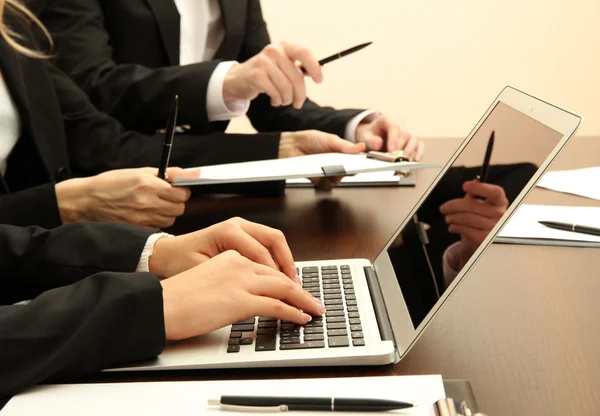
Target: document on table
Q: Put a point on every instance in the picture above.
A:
(311, 166)
(582, 182)
(523, 226)
(191, 397)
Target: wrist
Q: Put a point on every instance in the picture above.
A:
(158, 258)
(72, 199)
(286, 145)
(229, 84)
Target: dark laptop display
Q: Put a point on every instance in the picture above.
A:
(432, 247)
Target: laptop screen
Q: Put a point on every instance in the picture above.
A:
(451, 223)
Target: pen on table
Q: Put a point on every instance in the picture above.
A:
(168, 143)
(283, 404)
(339, 55)
(576, 228)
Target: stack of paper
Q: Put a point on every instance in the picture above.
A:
(582, 182)
(190, 398)
(523, 226)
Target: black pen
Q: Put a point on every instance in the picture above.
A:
(483, 176)
(168, 143)
(283, 404)
(339, 55)
(583, 229)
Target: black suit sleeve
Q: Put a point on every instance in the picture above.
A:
(33, 206)
(98, 142)
(104, 320)
(138, 96)
(263, 116)
(63, 255)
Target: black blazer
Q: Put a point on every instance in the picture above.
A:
(64, 135)
(88, 312)
(125, 56)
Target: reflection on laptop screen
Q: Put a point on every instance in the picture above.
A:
(425, 268)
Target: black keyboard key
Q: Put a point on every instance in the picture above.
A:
(350, 297)
(352, 308)
(306, 345)
(359, 342)
(233, 348)
(290, 340)
(314, 324)
(351, 302)
(336, 332)
(331, 267)
(290, 332)
(265, 343)
(235, 335)
(336, 325)
(333, 296)
(334, 313)
(289, 326)
(332, 292)
(354, 321)
(310, 275)
(348, 286)
(332, 319)
(353, 315)
(267, 331)
(330, 281)
(245, 321)
(355, 328)
(310, 269)
(338, 342)
(317, 330)
(247, 341)
(335, 308)
(234, 341)
(267, 319)
(313, 337)
(349, 291)
(331, 302)
(357, 335)
(272, 324)
(331, 286)
(242, 328)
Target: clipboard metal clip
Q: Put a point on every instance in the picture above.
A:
(334, 170)
(392, 157)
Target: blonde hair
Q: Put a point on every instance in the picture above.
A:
(11, 37)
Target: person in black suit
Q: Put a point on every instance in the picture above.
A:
(106, 295)
(54, 133)
(132, 56)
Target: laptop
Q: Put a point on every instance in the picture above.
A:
(377, 310)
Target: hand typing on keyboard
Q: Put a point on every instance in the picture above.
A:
(261, 244)
(229, 288)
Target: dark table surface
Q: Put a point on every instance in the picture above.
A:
(522, 327)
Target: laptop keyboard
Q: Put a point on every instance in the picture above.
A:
(339, 327)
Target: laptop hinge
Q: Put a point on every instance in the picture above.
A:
(383, 322)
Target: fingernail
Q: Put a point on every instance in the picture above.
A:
(320, 305)
(307, 318)
(298, 280)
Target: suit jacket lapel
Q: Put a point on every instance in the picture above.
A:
(233, 13)
(168, 19)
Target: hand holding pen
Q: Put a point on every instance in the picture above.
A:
(275, 72)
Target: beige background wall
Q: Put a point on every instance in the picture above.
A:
(436, 65)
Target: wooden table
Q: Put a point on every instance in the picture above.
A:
(522, 326)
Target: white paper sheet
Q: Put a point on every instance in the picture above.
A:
(524, 223)
(582, 182)
(182, 398)
(294, 167)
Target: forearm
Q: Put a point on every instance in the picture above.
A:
(109, 320)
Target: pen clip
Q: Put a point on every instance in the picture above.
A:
(250, 409)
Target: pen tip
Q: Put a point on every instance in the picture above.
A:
(214, 402)
(177, 97)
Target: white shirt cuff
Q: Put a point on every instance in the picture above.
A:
(216, 107)
(148, 251)
(366, 116)
(451, 263)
